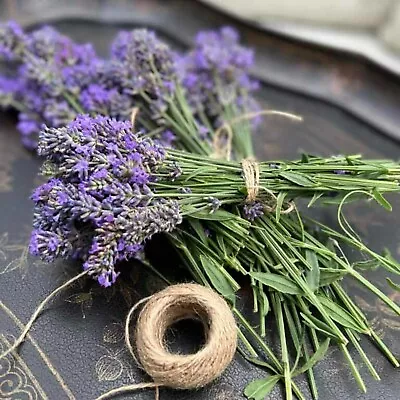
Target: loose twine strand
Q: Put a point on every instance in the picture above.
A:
(37, 312)
(227, 126)
(222, 146)
(134, 114)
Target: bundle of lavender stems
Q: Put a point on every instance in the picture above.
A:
(149, 141)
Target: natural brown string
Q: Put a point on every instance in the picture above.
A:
(223, 149)
(134, 113)
(252, 115)
(37, 312)
(251, 176)
(222, 144)
(179, 371)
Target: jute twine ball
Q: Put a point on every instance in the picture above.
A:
(175, 303)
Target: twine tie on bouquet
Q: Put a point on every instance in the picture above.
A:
(222, 149)
(251, 175)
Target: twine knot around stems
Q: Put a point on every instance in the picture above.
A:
(222, 149)
(251, 176)
(178, 371)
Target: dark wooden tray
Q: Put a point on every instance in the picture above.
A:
(347, 105)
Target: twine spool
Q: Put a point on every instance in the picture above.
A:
(175, 303)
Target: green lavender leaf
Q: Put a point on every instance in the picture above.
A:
(388, 255)
(260, 388)
(197, 227)
(197, 172)
(218, 280)
(298, 179)
(313, 275)
(381, 200)
(366, 265)
(393, 285)
(318, 325)
(277, 282)
(316, 357)
(219, 215)
(305, 158)
(315, 198)
(262, 300)
(221, 244)
(279, 202)
(330, 275)
(340, 315)
(259, 363)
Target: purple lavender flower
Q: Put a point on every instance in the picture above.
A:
(58, 79)
(203, 132)
(107, 278)
(10, 89)
(167, 138)
(253, 210)
(215, 74)
(98, 207)
(141, 63)
(12, 41)
(96, 97)
(52, 72)
(28, 126)
(214, 204)
(58, 113)
(49, 245)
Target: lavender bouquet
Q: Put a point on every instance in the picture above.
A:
(111, 189)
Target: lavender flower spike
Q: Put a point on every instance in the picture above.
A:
(215, 74)
(98, 206)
